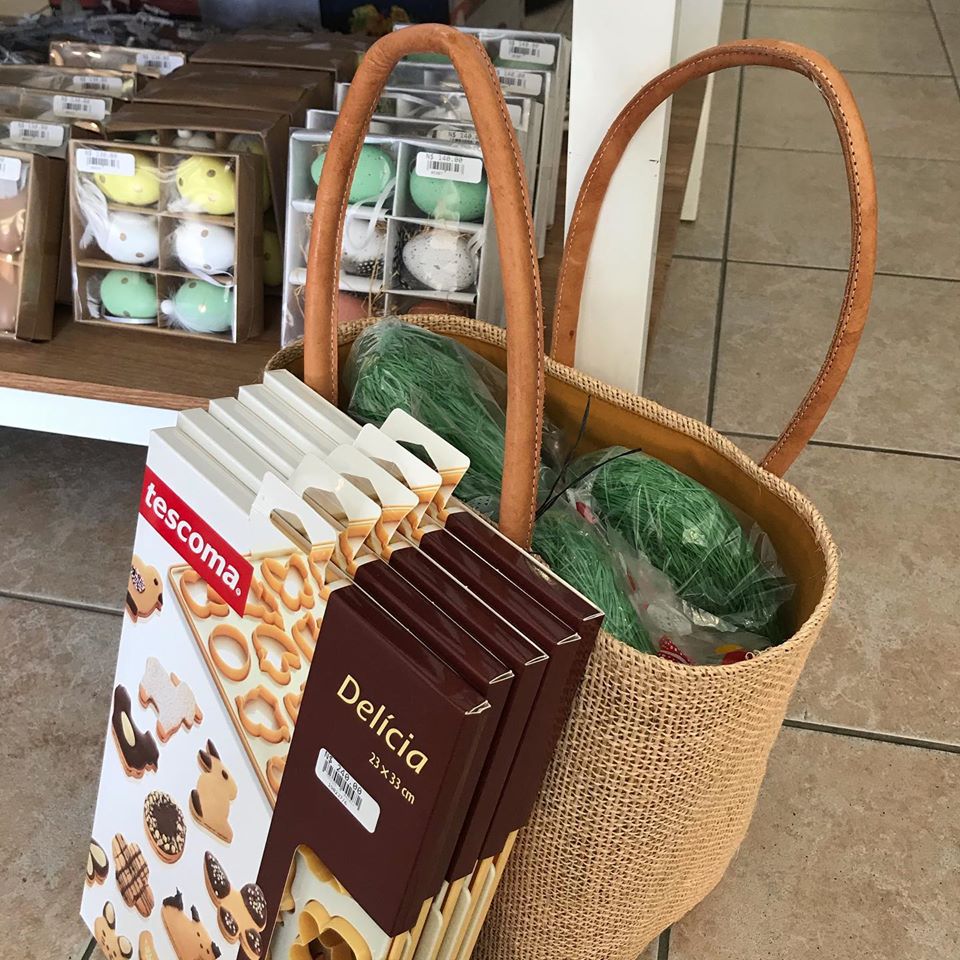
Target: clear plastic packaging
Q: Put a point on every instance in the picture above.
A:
(457, 394)
(145, 62)
(112, 83)
(79, 110)
(34, 136)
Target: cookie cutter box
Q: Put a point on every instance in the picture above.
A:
(445, 715)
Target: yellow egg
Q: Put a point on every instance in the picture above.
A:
(140, 190)
(207, 184)
(272, 259)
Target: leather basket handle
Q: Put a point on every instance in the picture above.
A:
(518, 261)
(863, 216)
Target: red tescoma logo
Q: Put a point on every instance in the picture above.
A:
(196, 541)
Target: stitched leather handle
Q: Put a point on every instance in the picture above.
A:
(511, 206)
(863, 216)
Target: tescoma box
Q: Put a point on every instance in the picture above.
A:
(31, 216)
(238, 786)
(167, 240)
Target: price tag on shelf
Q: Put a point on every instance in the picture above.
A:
(84, 108)
(106, 161)
(448, 166)
(97, 84)
(456, 135)
(159, 62)
(10, 168)
(35, 133)
(527, 51)
(521, 81)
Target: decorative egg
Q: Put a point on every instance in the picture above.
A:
(195, 140)
(375, 169)
(130, 295)
(440, 260)
(148, 138)
(272, 259)
(449, 199)
(205, 246)
(448, 307)
(207, 184)
(129, 238)
(243, 143)
(13, 221)
(142, 189)
(9, 296)
(352, 307)
(200, 307)
(364, 247)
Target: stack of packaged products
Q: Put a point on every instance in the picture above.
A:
(336, 694)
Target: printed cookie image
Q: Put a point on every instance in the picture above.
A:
(187, 934)
(163, 821)
(174, 701)
(216, 790)
(146, 950)
(132, 875)
(97, 866)
(114, 947)
(144, 590)
(138, 750)
(241, 914)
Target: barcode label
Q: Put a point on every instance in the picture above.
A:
(521, 81)
(106, 161)
(447, 166)
(10, 168)
(455, 135)
(158, 62)
(527, 51)
(83, 107)
(41, 134)
(97, 84)
(354, 798)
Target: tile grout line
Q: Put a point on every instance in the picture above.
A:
(57, 602)
(811, 266)
(841, 445)
(821, 9)
(853, 733)
(722, 281)
(663, 945)
(88, 953)
(837, 153)
(943, 43)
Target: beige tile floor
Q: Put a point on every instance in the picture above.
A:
(855, 847)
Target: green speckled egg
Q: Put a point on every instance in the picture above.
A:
(140, 190)
(272, 259)
(375, 169)
(125, 293)
(449, 199)
(207, 184)
(201, 307)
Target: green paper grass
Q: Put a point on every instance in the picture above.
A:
(685, 531)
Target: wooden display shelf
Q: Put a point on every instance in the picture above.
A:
(123, 366)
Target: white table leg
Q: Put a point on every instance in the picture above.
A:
(614, 54)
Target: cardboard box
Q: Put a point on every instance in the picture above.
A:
(31, 217)
(291, 95)
(187, 224)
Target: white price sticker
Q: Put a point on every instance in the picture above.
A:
(351, 794)
(106, 161)
(447, 166)
(158, 62)
(521, 81)
(79, 107)
(455, 135)
(10, 168)
(97, 84)
(527, 51)
(38, 134)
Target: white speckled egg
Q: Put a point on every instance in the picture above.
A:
(130, 238)
(194, 139)
(205, 246)
(363, 248)
(440, 260)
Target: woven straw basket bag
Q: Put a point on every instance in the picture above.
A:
(657, 772)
